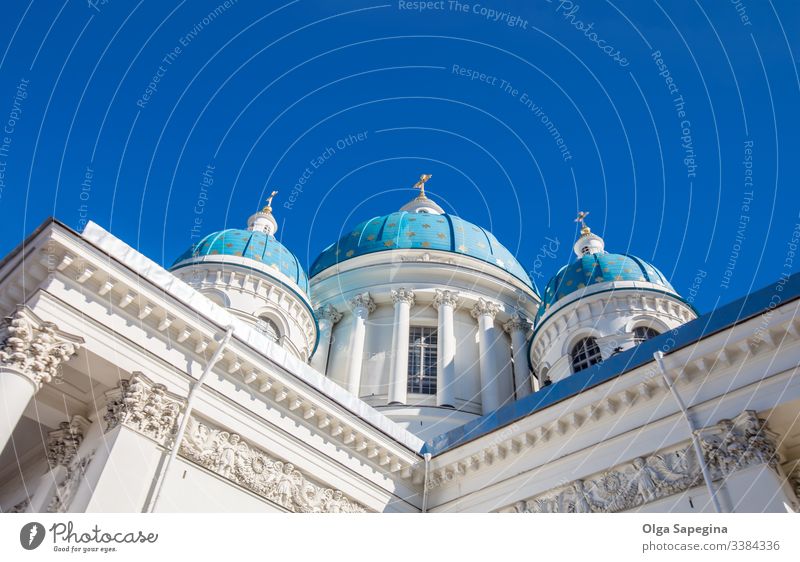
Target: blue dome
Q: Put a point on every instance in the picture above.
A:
(257, 246)
(598, 268)
(421, 231)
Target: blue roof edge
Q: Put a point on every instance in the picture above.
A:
(786, 289)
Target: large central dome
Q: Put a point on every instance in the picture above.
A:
(420, 231)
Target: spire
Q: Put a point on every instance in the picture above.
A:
(421, 203)
(588, 243)
(263, 221)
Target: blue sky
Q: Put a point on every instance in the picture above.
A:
(673, 123)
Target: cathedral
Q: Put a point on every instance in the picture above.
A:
(415, 367)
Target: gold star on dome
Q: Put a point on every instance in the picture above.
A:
(371, 237)
(389, 243)
(462, 248)
(426, 244)
(349, 253)
(425, 225)
(442, 235)
(411, 234)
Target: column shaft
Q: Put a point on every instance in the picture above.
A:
(398, 375)
(16, 391)
(485, 312)
(327, 317)
(362, 305)
(446, 301)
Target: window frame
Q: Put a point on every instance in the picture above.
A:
(423, 357)
(585, 353)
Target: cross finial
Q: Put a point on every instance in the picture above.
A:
(581, 218)
(268, 207)
(421, 184)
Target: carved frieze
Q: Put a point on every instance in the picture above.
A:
(63, 443)
(65, 491)
(728, 446)
(34, 347)
(228, 455)
(144, 406)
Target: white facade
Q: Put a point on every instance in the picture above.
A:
(318, 412)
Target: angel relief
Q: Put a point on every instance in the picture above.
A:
(229, 456)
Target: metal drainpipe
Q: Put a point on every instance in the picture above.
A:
(185, 419)
(698, 451)
(427, 457)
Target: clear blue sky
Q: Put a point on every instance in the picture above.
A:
(478, 94)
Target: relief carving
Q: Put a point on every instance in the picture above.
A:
(232, 458)
(728, 446)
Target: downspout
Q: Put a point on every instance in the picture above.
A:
(187, 413)
(427, 457)
(698, 451)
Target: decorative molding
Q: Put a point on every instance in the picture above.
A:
(728, 446)
(485, 308)
(144, 406)
(427, 257)
(67, 487)
(362, 304)
(63, 443)
(34, 347)
(449, 298)
(227, 455)
(403, 295)
(21, 507)
(329, 313)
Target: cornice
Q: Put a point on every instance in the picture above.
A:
(250, 359)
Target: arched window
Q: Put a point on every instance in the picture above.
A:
(643, 333)
(269, 328)
(584, 354)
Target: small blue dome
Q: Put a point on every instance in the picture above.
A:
(258, 246)
(421, 231)
(593, 269)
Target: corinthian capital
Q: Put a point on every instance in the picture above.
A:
(35, 347)
(63, 443)
(329, 313)
(403, 295)
(144, 406)
(517, 323)
(485, 308)
(447, 298)
(362, 304)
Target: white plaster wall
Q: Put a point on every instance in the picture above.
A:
(189, 488)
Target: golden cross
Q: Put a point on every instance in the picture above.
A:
(582, 219)
(421, 184)
(269, 201)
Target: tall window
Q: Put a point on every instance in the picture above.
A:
(269, 328)
(422, 360)
(643, 333)
(584, 354)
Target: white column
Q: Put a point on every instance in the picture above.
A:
(327, 317)
(518, 326)
(31, 352)
(485, 311)
(403, 300)
(446, 303)
(362, 305)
